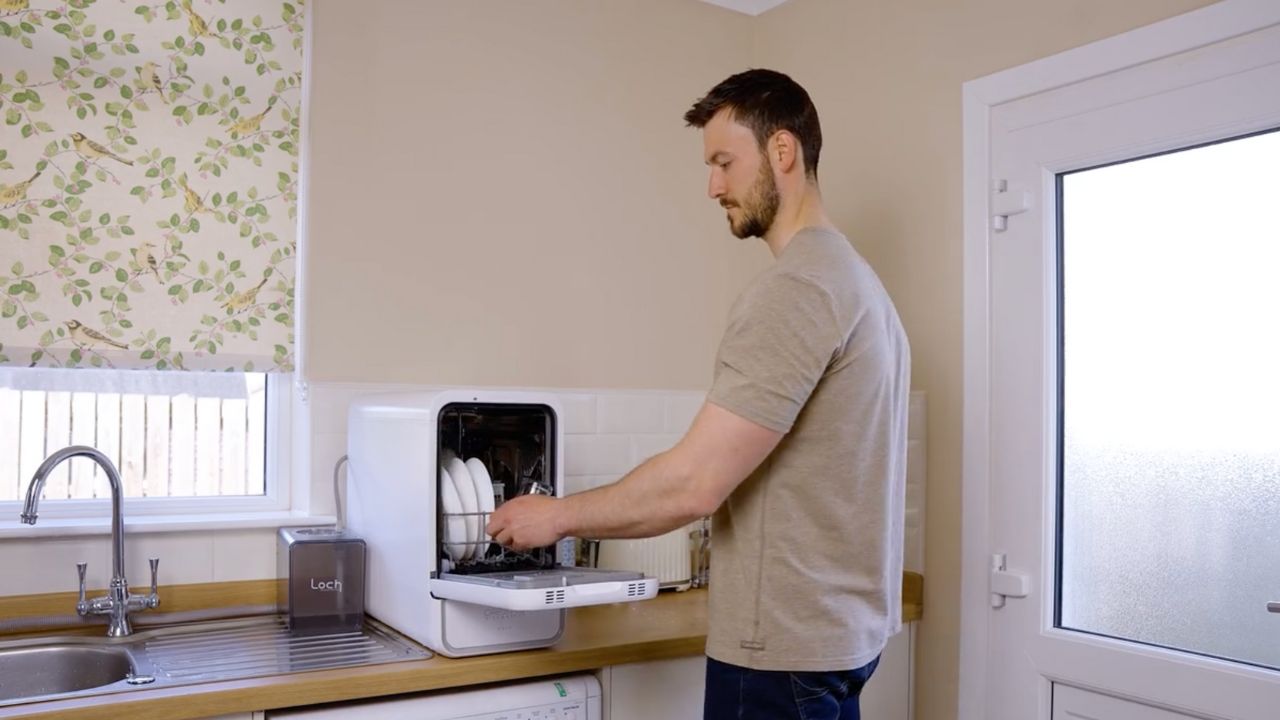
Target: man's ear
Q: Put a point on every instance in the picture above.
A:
(784, 152)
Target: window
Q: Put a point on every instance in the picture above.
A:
(183, 442)
(1168, 413)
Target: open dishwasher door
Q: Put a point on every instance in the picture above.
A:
(545, 589)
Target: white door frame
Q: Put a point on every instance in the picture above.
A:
(1198, 28)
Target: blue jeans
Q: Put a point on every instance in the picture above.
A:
(738, 693)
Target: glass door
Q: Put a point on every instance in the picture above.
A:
(1170, 375)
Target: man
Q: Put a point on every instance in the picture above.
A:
(800, 448)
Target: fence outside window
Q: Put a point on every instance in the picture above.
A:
(171, 434)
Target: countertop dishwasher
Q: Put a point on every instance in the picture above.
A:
(575, 697)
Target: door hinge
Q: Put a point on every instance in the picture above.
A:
(1007, 201)
(1005, 584)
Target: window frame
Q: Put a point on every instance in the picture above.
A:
(278, 500)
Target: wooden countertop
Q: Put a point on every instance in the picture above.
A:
(672, 625)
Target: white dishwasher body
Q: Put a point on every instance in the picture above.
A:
(576, 697)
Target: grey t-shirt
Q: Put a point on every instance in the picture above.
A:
(806, 561)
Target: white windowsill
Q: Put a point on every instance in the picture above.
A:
(68, 527)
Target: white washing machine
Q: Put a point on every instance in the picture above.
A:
(576, 697)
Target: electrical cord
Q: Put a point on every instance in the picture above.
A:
(340, 519)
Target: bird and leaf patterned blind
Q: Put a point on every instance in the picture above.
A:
(149, 183)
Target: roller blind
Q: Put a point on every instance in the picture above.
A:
(148, 183)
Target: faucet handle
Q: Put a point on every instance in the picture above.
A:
(154, 600)
(82, 607)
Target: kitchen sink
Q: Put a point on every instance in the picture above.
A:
(55, 669)
(49, 668)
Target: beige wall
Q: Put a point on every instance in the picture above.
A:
(504, 193)
(886, 76)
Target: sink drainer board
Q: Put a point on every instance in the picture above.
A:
(266, 647)
(190, 654)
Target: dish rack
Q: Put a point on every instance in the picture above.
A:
(514, 449)
(496, 558)
(519, 451)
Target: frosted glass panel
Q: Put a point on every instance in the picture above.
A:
(1171, 400)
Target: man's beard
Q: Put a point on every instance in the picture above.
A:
(759, 208)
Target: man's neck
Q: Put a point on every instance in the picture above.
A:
(803, 212)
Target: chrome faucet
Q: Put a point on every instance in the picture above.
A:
(117, 603)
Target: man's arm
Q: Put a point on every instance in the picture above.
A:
(671, 489)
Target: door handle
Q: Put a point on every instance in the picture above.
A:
(1273, 607)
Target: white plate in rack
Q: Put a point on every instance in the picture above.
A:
(484, 499)
(470, 503)
(455, 530)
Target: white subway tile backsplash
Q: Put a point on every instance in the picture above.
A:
(917, 416)
(913, 545)
(911, 519)
(329, 411)
(917, 459)
(579, 414)
(245, 555)
(184, 558)
(326, 450)
(680, 410)
(574, 484)
(917, 480)
(620, 413)
(48, 564)
(597, 454)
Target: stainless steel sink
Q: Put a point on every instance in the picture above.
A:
(38, 669)
(31, 671)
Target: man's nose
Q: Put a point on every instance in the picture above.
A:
(715, 185)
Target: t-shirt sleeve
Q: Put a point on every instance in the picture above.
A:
(776, 348)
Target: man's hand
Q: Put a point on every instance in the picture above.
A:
(526, 522)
